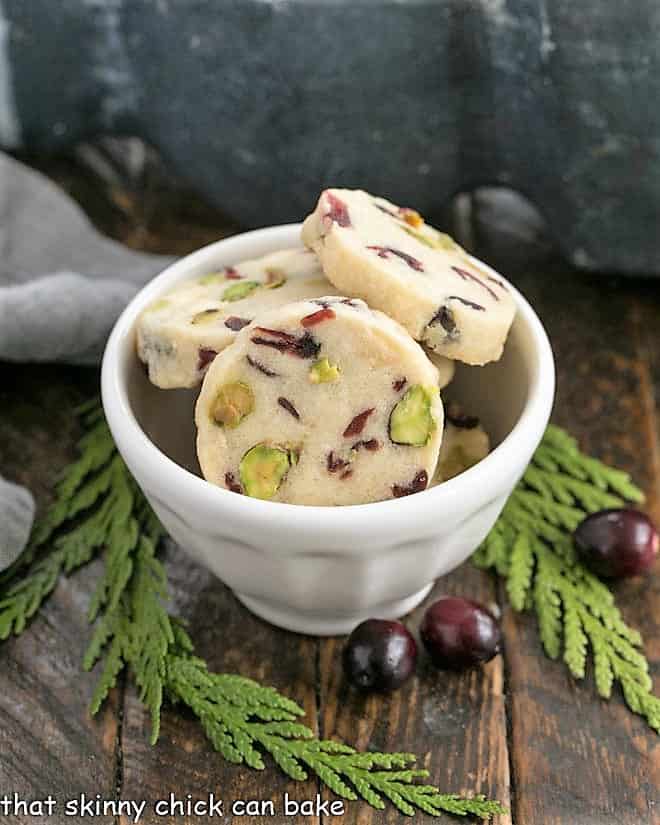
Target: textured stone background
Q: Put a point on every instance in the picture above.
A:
(260, 103)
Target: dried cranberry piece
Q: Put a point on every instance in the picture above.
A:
(371, 444)
(357, 424)
(261, 367)
(325, 314)
(445, 317)
(418, 484)
(386, 251)
(470, 276)
(231, 273)
(497, 281)
(399, 384)
(337, 211)
(455, 415)
(235, 323)
(232, 484)
(288, 406)
(335, 463)
(303, 347)
(403, 213)
(467, 303)
(205, 357)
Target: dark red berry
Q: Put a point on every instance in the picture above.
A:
(379, 655)
(325, 314)
(419, 483)
(470, 276)
(459, 633)
(205, 356)
(617, 543)
(386, 251)
(357, 424)
(337, 211)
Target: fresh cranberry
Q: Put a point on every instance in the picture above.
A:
(379, 655)
(617, 543)
(459, 633)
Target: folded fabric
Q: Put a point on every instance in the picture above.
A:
(62, 286)
(16, 517)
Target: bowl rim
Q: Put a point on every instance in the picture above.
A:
(158, 468)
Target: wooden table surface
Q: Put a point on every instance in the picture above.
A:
(519, 730)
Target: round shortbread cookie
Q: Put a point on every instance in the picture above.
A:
(445, 367)
(179, 334)
(321, 402)
(464, 444)
(389, 257)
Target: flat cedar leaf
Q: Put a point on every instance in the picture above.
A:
(575, 639)
(113, 664)
(575, 610)
(520, 571)
(530, 546)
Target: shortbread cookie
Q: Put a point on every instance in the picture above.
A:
(180, 333)
(445, 367)
(320, 402)
(464, 444)
(388, 256)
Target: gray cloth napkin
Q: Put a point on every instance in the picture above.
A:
(62, 286)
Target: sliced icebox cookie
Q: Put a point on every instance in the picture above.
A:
(179, 334)
(445, 367)
(464, 444)
(320, 402)
(388, 256)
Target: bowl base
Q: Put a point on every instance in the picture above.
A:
(329, 625)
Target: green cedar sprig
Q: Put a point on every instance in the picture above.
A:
(98, 505)
(531, 548)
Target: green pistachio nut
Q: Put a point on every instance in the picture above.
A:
(274, 278)
(232, 404)
(211, 279)
(323, 372)
(204, 317)
(239, 290)
(262, 469)
(411, 420)
(432, 238)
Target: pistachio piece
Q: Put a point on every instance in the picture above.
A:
(233, 403)
(323, 372)
(274, 278)
(212, 278)
(240, 290)
(263, 469)
(433, 239)
(204, 317)
(411, 420)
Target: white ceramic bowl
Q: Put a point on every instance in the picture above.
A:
(321, 570)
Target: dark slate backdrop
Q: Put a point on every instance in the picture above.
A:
(260, 103)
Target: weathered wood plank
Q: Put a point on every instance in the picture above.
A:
(231, 640)
(48, 742)
(455, 723)
(575, 758)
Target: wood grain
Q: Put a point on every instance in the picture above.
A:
(234, 641)
(520, 730)
(576, 758)
(48, 742)
(455, 723)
